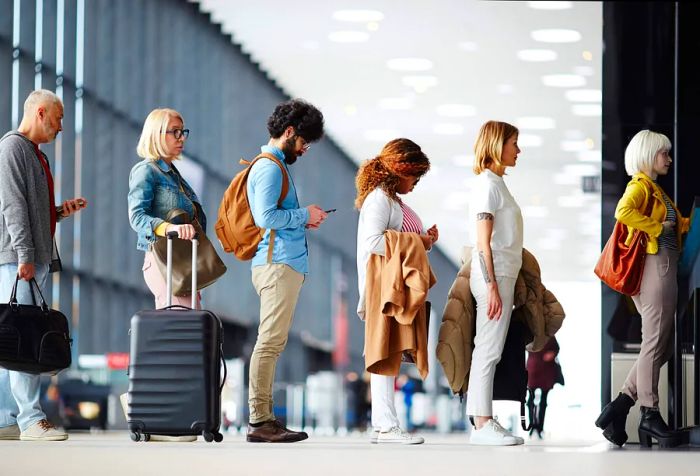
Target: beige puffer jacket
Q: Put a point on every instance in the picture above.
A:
(534, 305)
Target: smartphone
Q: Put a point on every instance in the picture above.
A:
(81, 204)
(330, 211)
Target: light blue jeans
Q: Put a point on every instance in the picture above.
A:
(19, 391)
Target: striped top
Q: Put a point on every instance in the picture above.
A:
(668, 239)
(411, 222)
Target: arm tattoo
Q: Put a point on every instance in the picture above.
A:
(484, 216)
(484, 269)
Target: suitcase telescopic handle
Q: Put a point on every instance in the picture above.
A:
(169, 272)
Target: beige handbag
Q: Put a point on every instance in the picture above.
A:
(209, 265)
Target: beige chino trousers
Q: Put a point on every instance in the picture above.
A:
(656, 303)
(278, 286)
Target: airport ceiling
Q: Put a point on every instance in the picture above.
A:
(434, 71)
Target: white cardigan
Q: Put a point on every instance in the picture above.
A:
(378, 214)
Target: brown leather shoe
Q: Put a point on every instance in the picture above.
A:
(273, 431)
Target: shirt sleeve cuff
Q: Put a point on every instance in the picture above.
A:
(160, 229)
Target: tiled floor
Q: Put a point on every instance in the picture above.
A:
(109, 454)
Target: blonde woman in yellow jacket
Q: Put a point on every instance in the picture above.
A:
(647, 156)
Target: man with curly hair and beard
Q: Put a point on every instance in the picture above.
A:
(279, 272)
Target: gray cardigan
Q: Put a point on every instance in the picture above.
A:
(25, 224)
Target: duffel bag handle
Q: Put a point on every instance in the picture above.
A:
(32, 285)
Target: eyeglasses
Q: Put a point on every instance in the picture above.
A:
(305, 146)
(179, 133)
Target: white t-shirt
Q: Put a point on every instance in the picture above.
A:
(490, 195)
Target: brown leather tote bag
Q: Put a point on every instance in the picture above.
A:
(620, 266)
(210, 267)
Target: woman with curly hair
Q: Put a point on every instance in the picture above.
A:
(379, 182)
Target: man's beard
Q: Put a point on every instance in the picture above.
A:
(289, 155)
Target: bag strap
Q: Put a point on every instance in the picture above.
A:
(283, 192)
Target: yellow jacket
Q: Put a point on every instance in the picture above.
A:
(631, 207)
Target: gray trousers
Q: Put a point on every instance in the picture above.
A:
(656, 303)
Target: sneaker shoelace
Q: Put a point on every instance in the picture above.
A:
(498, 428)
(46, 425)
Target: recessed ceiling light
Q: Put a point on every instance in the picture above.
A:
(584, 95)
(505, 89)
(349, 36)
(396, 104)
(464, 160)
(584, 70)
(587, 55)
(556, 36)
(420, 84)
(372, 26)
(550, 5)
(564, 80)
(468, 46)
(381, 135)
(456, 110)
(529, 140)
(587, 110)
(537, 55)
(359, 16)
(409, 64)
(535, 122)
(450, 129)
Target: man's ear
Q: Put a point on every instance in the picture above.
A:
(289, 132)
(41, 112)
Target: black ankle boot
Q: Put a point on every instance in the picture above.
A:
(652, 425)
(613, 418)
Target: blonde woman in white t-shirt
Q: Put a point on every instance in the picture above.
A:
(496, 234)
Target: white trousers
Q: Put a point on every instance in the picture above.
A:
(383, 409)
(488, 343)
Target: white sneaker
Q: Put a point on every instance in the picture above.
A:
(43, 430)
(397, 435)
(493, 434)
(9, 432)
(373, 436)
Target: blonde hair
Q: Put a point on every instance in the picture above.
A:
(41, 97)
(152, 141)
(642, 149)
(489, 145)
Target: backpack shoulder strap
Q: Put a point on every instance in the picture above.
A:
(285, 176)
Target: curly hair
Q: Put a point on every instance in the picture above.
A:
(398, 158)
(305, 118)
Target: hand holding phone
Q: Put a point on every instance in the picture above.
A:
(71, 206)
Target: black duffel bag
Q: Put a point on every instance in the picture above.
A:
(33, 338)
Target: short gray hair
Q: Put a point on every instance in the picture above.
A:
(642, 149)
(40, 97)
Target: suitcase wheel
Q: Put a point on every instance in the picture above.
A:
(208, 437)
(146, 437)
(218, 437)
(135, 436)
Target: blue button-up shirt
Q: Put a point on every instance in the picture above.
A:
(264, 187)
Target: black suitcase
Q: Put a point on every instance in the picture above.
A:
(174, 369)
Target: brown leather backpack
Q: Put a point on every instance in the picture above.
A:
(235, 225)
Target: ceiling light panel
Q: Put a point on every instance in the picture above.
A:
(535, 122)
(349, 36)
(564, 80)
(409, 64)
(587, 110)
(556, 36)
(396, 104)
(358, 16)
(536, 55)
(456, 110)
(420, 84)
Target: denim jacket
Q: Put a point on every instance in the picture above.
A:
(154, 190)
